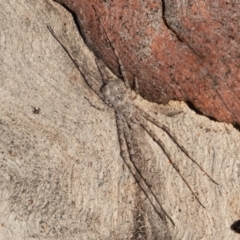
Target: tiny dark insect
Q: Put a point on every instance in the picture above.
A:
(35, 110)
(236, 226)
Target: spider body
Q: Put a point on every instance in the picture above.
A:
(116, 94)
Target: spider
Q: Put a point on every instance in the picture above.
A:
(117, 94)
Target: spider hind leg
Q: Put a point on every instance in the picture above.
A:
(128, 156)
(164, 149)
(175, 140)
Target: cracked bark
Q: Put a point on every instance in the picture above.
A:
(61, 174)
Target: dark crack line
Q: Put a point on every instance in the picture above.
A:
(175, 33)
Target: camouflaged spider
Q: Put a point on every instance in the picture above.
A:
(117, 93)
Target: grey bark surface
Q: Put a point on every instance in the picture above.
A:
(61, 174)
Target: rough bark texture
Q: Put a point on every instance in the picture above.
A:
(182, 50)
(61, 174)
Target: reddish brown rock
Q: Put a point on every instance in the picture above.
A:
(180, 50)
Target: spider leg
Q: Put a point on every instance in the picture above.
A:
(136, 89)
(75, 63)
(121, 68)
(128, 156)
(103, 70)
(164, 149)
(174, 138)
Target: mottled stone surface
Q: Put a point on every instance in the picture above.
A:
(181, 50)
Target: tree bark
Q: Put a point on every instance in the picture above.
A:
(61, 174)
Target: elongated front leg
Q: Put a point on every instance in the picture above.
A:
(128, 156)
(105, 74)
(166, 152)
(121, 68)
(174, 138)
(97, 92)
